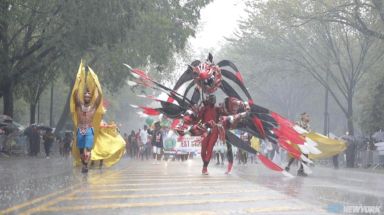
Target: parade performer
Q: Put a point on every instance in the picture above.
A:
(304, 124)
(87, 112)
(206, 77)
(211, 122)
(327, 147)
(209, 116)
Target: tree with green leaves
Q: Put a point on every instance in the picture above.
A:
(320, 49)
(372, 114)
(134, 32)
(366, 16)
(52, 36)
(27, 30)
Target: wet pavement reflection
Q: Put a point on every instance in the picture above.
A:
(54, 186)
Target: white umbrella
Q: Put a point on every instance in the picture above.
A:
(378, 136)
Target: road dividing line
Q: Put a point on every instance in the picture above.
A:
(189, 213)
(194, 187)
(104, 181)
(137, 196)
(276, 209)
(168, 177)
(160, 184)
(38, 199)
(53, 196)
(157, 204)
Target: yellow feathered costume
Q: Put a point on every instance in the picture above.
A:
(328, 146)
(109, 146)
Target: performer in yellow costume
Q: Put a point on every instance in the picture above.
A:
(326, 146)
(87, 112)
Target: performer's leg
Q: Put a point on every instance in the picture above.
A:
(88, 145)
(82, 155)
(229, 157)
(204, 144)
(289, 164)
(211, 143)
(83, 158)
(301, 172)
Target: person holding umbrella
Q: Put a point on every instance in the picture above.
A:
(34, 140)
(48, 138)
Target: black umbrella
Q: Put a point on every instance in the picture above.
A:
(378, 136)
(348, 138)
(2, 124)
(5, 120)
(44, 127)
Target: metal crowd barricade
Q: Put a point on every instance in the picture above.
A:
(378, 156)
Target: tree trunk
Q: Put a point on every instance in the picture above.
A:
(32, 111)
(38, 111)
(8, 98)
(351, 147)
(350, 125)
(51, 108)
(7, 82)
(326, 114)
(64, 115)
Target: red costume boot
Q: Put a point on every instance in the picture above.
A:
(229, 169)
(205, 171)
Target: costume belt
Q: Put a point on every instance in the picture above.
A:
(83, 129)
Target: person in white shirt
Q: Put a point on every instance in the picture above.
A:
(143, 142)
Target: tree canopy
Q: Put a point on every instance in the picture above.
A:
(42, 40)
(335, 54)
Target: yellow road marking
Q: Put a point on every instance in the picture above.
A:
(156, 204)
(54, 200)
(275, 209)
(42, 198)
(47, 204)
(189, 213)
(38, 199)
(167, 179)
(160, 184)
(219, 186)
(170, 176)
(248, 210)
(136, 196)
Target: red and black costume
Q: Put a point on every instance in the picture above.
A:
(210, 121)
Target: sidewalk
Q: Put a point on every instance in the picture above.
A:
(378, 170)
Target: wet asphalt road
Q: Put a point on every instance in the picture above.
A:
(41, 186)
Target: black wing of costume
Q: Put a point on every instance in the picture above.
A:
(261, 122)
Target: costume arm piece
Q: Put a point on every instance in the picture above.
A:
(76, 98)
(235, 106)
(98, 98)
(191, 124)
